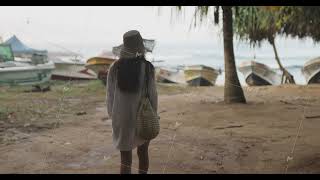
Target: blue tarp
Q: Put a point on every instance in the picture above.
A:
(19, 48)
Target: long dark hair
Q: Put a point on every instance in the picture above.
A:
(128, 73)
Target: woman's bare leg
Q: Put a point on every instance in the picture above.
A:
(143, 158)
(126, 161)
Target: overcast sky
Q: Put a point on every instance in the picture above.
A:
(78, 28)
(99, 25)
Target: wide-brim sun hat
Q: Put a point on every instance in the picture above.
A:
(133, 45)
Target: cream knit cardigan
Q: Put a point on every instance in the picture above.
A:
(122, 108)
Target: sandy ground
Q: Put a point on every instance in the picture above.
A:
(67, 130)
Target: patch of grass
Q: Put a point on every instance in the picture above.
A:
(76, 89)
(171, 89)
(3, 114)
(37, 111)
(95, 86)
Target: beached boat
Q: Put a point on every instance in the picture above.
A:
(71, 68)
(164, 75)
(35, 71)
(101, 63)
(200, 75)
(258, 74)
(311, 71)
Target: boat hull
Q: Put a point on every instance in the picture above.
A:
(200, 82)
(254, 80)
(200, 75)
(35, 76)
(311, 71)
(166, 76)
(98, 68)
(257, 74)
(164, 80)
(65, 71)
(99, 64)
(315, 79)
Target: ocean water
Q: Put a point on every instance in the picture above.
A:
(293, 54)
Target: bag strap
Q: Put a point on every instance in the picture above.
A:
(146, 90)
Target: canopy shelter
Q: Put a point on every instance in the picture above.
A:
(19, 48)
(148, 44)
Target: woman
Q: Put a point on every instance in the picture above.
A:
(125, 85)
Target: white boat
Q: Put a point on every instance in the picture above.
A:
(165, 75)
(195, 75)
(71, 68)
(35, 71)
(258, 74)
(200, 75)
(311, 71)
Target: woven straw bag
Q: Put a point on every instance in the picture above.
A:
(148, 125)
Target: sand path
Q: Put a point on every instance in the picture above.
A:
(199, 134)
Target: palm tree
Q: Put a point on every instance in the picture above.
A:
(300, 21)
(232, 89)
(258, 24)
(233, 92)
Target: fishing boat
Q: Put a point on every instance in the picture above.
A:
(69, 67)
(101, 63)
(35, 71)
(200, 75)
(258, 74)
(311, 71)
(165, 75)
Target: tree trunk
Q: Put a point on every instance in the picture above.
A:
(286, 76)
(233, 92)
